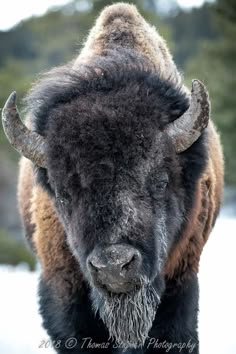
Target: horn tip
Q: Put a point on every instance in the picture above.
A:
(11, 101)
(196, 85)
(198, 88)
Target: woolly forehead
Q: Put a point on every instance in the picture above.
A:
(118, 79)
(115, 108)
(117, 126)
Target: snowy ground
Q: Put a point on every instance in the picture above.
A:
(20, 325)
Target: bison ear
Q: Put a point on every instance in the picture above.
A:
(185, 130)
(28, 143)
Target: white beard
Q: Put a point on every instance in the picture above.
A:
(128, 316)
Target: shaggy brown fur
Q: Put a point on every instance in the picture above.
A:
(185, 255)
(122, 24)
(26, 181)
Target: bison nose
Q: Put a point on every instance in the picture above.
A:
(115, 267)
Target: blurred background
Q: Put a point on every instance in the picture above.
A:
(35, 36)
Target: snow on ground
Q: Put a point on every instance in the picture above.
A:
(20, 324)
(218, 290)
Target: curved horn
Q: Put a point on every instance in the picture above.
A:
(185, 130)
(26, 142)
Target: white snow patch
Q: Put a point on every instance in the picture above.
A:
(20, 325)
(218, 290)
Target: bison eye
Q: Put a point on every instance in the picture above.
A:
(157, 185)
(62, 197)
(62, 201)
(162, 181)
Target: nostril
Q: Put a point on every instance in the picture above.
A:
(93, 266)
(129, 264)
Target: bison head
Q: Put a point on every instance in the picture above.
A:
(109, 143)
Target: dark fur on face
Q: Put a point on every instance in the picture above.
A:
(113, 173)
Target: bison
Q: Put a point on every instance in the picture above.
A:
(119, 188)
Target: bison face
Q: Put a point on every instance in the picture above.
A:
(116, 191)
(119, 195)
(116, 217)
